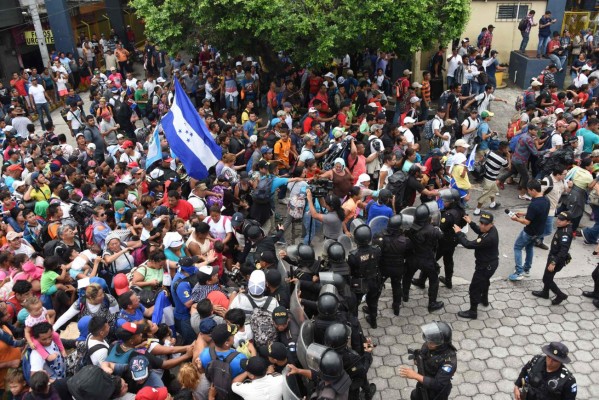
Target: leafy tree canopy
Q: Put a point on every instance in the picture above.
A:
(310, 30)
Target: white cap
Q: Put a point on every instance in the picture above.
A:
(461, 143)
(160, 80)
(341, 80)
(91, 146)
(257, 283)
(414, 99)
(409, 120)
(535, 83)
(458, 158)
(372, 105)
(416, 85)
(329, 75)
(253, 139)
(363, 178)
(312, 110)
(586, 68)
(238, 64)
(559, 110)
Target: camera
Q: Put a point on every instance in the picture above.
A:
(81, 213)
(321, 187)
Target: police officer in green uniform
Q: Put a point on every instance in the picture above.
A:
(558, 258)
(486, 260)
(545, 377)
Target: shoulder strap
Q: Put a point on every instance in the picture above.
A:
(212, 352)
(230, 357)
(267, 303)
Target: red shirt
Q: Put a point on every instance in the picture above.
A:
(315, 82)
(183, 209)
(19, 84)
(554, 44)
(307, 125)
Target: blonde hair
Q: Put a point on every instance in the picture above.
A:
(188, 376)
(15, 375)
(91, 292)
(31, 301)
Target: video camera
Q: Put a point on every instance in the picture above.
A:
(81, 212)
(320, 187)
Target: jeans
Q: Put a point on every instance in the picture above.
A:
(310, 233)
(397, 113)
(476, 88)
(231, 102)
(450, 81)
(592, 234)
(542, 47)
(524, 42)
(548, 229)
(183, 328)
(43, 108)
(526, 242)
(162, 73)
(558, 61)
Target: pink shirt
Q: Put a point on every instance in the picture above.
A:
(357, 168)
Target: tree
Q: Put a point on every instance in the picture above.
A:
(312, 31)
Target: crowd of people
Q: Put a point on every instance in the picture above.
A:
(161, 271)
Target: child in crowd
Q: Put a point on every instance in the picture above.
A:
(16, 384)
(80, 266)
(189, 378)
(38, 314)
(7, 337)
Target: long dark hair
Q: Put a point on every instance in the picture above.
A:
(335, 203)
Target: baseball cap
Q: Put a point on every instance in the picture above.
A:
(150, 393)
(257, 283)
(238, 64)
(564, 216)
(222, 332)
(121, 284)
(265, 149)
(312, 110)
(461, 143)
(126, 144)
(595, 153)
(338, 132)
(263, 164)
(91, 146)
(414, 99)
(12, 235)
(558, 111)
(535, 83)
(416, 85)
(408, 120)
(127, 330)
(381, 115)
(280, 315)
(268, 257)
(486, 114)
(255, 365)
(486, 218)
(207, 325)
(15, 167)
(253, 139)
(277, 350)
(35, 176)
(18, 184)
(139, 367)
(407, 72)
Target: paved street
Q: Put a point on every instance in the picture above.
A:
(492, 349)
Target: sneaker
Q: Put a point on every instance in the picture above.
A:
(527, 274)
(525, 197)
(477, 211)
(515, 277)
(495, 207)
(584, 237)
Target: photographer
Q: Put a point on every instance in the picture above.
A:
(332, 221)
(341, 177)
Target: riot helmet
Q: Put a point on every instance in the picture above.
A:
(362, 235)
(328, 301)
(337, 336)
(306, 254)
(449, 195)
(437, 333)
(395, 223)
(324, 361)
(336, 252)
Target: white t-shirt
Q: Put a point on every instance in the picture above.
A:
(127, 158)
(437, 124)
(452, 65)
(37, 92)
(389, 171)
(241, 301)
(131, 82)
(38, 363)
(407, 134)
(75, 118)
(581, 79)
(269, 387)
(220, 229)
(199, 205)
(145, 234)
(149, 86)
(484, 99)
(99, 355)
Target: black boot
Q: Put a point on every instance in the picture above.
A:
(435, 305)
(596, 303)
(540, 293)
(371, 319)
(559, 298)
(446, 281)
(484, 301)
(418, 283)
(592, 295)
(395, 308)
(468, 314)
(366, 309)
(369, 394)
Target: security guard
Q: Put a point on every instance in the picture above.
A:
(364, 265)
(452, 214)
(558, 258)
(437, 363)
(545, 377)
(395, 247)
(486, 260)
(356, 365)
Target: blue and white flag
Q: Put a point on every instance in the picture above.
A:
(154, 149)
(472, 159)
(188, 136)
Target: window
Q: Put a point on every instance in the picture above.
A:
(511, 12)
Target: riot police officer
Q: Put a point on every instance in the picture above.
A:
(436, 361)
(328, 312)
(336, 260)
(452, 214)
(356, 365)
(394, 250)
(545, 376)
(306, 272)
(364, 266)
(425, 238)
(486, 260)
(327, 366)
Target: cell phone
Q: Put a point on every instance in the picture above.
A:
(510, 213)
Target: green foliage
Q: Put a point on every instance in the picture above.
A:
(311, 30)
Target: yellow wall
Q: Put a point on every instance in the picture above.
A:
(506, 36)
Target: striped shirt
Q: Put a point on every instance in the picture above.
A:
(493, 165)
(426, 91)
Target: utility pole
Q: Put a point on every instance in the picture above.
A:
(39, 30)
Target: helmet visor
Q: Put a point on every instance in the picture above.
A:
(431, 333)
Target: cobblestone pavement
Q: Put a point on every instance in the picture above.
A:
(493, 348)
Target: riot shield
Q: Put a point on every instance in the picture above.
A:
(378, 224)
(314, 354)
(434, 212)
(290, 386)
(330, 278)
(283, 271)
(305, 339)
(346, 242)
(326, 244)
(296, 308)
(355, 223)
(411, 211)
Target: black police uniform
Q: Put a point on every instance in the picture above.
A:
(486, 260)
(364, 266)
(439, 367)
(289, 338)
(425, 243)
(560, 256)
(335, 390)
(543, 385)
(356, 366)
(395, 248)
(594, 294)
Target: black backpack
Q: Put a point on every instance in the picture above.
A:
(523, 24)
(219, 374)
(262, 193)
(87, 354)
(397, 184)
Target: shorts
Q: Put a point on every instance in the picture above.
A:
(63, 92)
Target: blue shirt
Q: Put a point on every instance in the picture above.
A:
(377, 209)
(138, 314)
(483, 129)
(235, 363)
(181, 296)
(545, 31)
(249, 126)
(590, 139)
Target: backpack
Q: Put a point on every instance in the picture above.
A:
(444, 97)
(26, 364)
(397, 184)
(262, 194)
(550, 185)
(514, 142)
(523, 24)
(297, 205)
(478, 172)
(482, 78)
(428, 129)
(521, 100)
(219, 373)
(89, 234)
(86, 355)
(261, 323)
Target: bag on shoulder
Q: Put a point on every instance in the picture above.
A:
(219, 373)
(428, 129)
(297, 205)
(262, 193)
(261, 323)
(482, 78)
(443, 98)
(522, 25)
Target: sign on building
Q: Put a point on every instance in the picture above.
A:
(31, 37)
